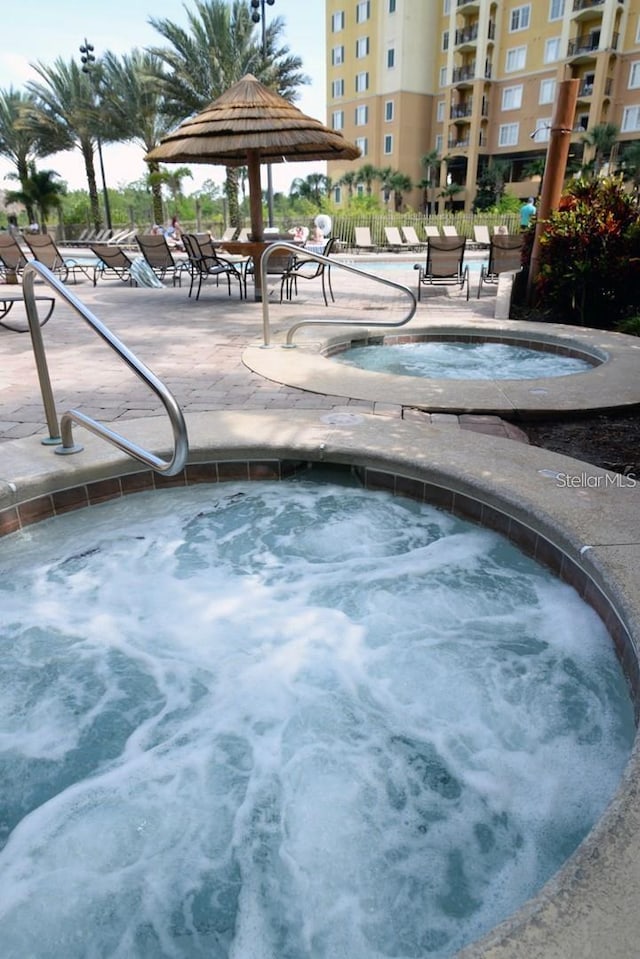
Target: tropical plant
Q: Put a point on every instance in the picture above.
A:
(367, 173)
(65, 107)
(135, 97)
(350, 179)
(630, 165)
(42, 191)
(599, 143)
(589, 263)
(217, 48)
(19, 142)
(431, 163)
(400, 183)
(449, 192)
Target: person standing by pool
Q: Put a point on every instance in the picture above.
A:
(527, 210)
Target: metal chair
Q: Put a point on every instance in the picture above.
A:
(305, 268)
(505, 256)
(12, 258)
(444, 265)
(159, 257)
(46, 252)
(205, 262)
(112, 262)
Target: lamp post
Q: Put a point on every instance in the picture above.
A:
(88, 61)
(258, 17)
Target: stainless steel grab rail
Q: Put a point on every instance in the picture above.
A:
(64, 436)
(277, 247)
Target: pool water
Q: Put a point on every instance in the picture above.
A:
(463, 361)
(275, 721)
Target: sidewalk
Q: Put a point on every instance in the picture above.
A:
(194, 347)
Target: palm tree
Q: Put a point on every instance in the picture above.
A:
(18, 142)
(400, 184)
(65, 106)
(599, 143)
(385, 175)
(367, 174)
(42, 192)
(448, 192)
(135, 98)
(217, 48)
(630, 165)
(430, 161)
(350, 179)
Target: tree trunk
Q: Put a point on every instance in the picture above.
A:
(156, 190)
(23, 176)
(231, 190)
(87, 154)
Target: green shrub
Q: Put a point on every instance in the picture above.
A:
(590, 255)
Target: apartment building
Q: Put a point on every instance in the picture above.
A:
(475, 80)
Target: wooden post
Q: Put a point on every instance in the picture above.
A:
(255, 206)
(555, 167)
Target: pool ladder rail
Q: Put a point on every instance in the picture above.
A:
(62, 435)
(330, 264)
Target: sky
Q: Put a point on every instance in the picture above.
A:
(42, 30)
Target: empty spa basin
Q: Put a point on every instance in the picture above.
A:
(275, 721)
(475, 360)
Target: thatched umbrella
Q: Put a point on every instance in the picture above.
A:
(249, 125)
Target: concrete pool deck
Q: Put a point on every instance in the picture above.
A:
(589, 909)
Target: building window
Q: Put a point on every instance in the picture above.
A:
(362, 116)
(337, 120)
(362, 82)
(512, 98)
(337, 89)
(446, 8)
(362, 47)
(392, 6)
(634, 75)
(388, 144)
(438, 143)
(440, 111)
(556, 9)
(445, 40)
(508, 134)
(337, 194)
(337, 21)
(388, 110)
(547, 91)
(542, 131)
(363, 145)
(363, 11)
(391, 57)
(552, 50)
(337, 56)
(516, 59)
(520, 18)
(443, 76)
(630, 119)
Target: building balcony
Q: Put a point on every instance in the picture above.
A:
(453, 143)
(580, 5)
(464, 75)
(461, 111)
(471, 4)
(467, 36)
(587, 46)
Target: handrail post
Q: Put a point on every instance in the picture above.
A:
(31, 308)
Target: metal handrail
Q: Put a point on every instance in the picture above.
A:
(277, 247)
(65, 434)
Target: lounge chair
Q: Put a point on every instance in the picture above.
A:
(306, 268)
(394, 240)
(159, 257)
(430, 231)
(46, 252)
(449, 231)
(243, 236)
(481, 236)
(412, 239)
(112, 262)
(363, 238)
(505, 256)
(444, 265)
(12, 258)
(205, 263)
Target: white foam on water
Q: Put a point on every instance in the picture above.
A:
(463, 361)
(292, 720)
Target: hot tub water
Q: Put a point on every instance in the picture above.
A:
(292, 720)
